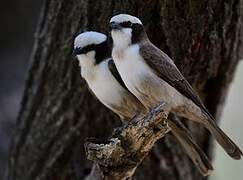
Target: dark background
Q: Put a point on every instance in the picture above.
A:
(18, 19)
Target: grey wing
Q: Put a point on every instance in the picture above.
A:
(115, 73)
(165, 68)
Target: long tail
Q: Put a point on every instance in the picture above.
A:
(227, 144)
(208, 121)
(195, 153)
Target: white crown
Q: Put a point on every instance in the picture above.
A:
(88, 38)
(125, 17)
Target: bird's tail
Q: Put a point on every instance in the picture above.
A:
(227, 144)
(191, 148)
(208, 121)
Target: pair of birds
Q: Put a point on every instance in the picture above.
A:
(138, 77)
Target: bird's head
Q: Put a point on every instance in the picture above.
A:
(126, 29)
(91, 47)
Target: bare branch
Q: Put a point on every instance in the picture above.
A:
(119, 157)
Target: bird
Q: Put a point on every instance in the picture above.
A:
(151, 75)
(99, 71)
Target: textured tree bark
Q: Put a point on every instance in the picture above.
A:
(58, 112)
(118, 157)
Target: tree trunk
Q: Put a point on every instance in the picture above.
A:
(58, 113)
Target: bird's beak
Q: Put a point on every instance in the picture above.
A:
(76, 51)
(114, 26)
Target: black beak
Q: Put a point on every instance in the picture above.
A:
(114, 26)
(76, 51)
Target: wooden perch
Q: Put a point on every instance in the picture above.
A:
(118, 158)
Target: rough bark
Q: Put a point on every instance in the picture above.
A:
(118, 158)
(58, 112)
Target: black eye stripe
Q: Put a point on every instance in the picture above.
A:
(126, 24)
(93, 47)
(86, 49)
(102, 50)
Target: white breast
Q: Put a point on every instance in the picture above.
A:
(104, 85)
(130, 65)
(109, 91)
(141, 79)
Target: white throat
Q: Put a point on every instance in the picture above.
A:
(87, 64)
(122, 38)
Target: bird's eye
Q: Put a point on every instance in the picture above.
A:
(77, 51)
(126, 24)
(129, 24)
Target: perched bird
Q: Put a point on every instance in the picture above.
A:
(152, 77)
(99, 71)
